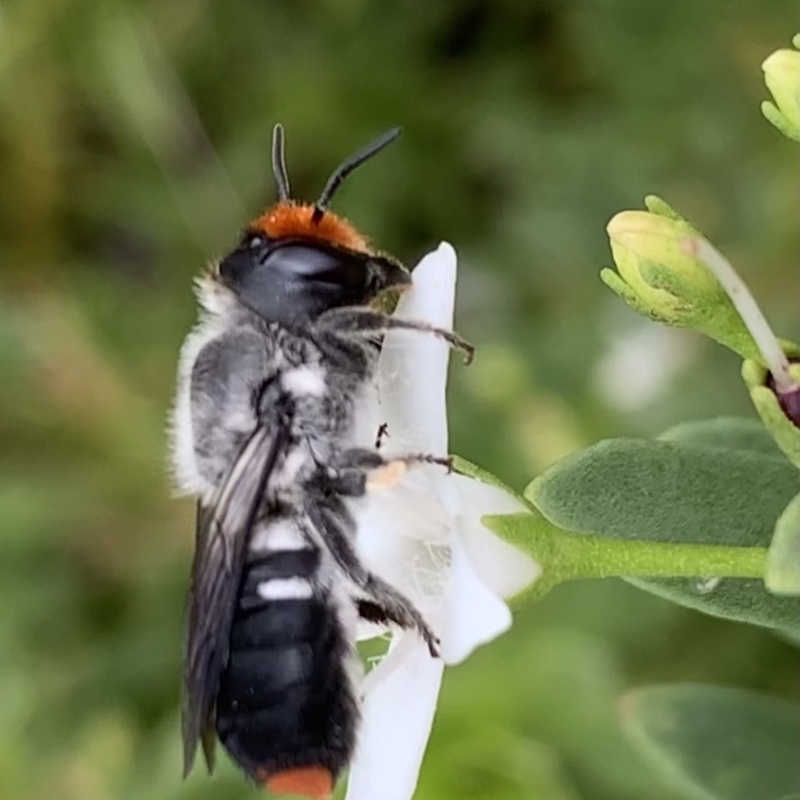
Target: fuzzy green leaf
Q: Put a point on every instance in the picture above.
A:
(736, 433)
(672, 491)
(666, 491)
(737, 599)
(716, 743)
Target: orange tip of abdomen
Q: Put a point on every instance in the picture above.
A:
(313, 782)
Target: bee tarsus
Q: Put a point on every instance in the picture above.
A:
(366, 322)
(383, 433)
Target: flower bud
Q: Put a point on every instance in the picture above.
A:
(658, 278)
(782, 76)
(778, 411)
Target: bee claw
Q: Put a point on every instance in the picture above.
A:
(433, 643)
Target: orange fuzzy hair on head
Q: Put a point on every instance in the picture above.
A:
(288, 219)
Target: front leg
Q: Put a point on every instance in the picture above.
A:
(364, 322)
(360, 470)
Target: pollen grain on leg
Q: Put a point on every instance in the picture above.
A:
(386, 476)
(315, 783)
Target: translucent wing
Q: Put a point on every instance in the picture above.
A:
(223, 530)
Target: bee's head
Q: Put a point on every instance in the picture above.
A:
(297, 261)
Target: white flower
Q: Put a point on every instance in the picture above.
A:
(425, 537)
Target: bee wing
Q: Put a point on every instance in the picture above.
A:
(223, 530)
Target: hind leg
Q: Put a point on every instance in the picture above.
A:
(330, 524)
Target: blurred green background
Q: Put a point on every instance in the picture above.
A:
(134, 141)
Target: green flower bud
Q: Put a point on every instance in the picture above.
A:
(776, 413)
(782, 76)
(658, 278)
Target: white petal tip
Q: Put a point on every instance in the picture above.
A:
(446, 250)
(436, 272)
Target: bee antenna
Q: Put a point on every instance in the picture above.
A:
(279, 163)
(347, 166)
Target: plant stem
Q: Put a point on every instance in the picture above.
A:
(567, 556)
(595, 557)
(748, 309)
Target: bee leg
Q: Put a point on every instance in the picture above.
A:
(375, 612)
(366, 322)
(383, 433)
(370, 611)
(394, 605)
(397, 608)
(358, 470)
(391, 472)
(347, 475)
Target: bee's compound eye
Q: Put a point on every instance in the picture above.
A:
(318, 265)
(235, 266)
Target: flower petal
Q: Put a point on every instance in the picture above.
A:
(412, 371)
(398, 714)
(502, 567)
(474, 614)
(393, 525)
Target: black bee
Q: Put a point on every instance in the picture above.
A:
(262, 430)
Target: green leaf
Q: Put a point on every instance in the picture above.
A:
(717, 743)
(666, 491)
(737, 599)
(783, 562)
(783, 559)
(736, 433)
(677, 492)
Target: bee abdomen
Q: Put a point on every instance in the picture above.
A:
(285, 700)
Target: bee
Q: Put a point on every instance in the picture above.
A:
(262, 428)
